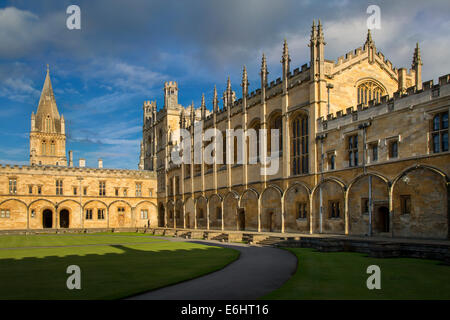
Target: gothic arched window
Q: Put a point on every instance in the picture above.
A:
(44, 147)
(52, 148)
(48, 124)
(275, 123)
(369, 90)
(300, 145)
(256, 126)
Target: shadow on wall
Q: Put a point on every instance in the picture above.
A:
(114, 272)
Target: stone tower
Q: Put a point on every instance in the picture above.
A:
(170, 95)
(47, 136)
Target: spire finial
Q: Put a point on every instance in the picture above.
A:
(369, 40)
(48, 68)
(285, 58)
(417, 59)
(228, 83)
(320, 37)
(313, 32)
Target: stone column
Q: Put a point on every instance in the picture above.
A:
(391, 209)
(195, 215)
(448, 209)
(259, 214)
(346, 215)
(207, 215)
(312, 219)
(221, 204)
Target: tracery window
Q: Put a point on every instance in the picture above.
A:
(300, 147)
(369, 90)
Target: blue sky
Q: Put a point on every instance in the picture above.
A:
(125, 51)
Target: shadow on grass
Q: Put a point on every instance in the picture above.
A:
(107, 272)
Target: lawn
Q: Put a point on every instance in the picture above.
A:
(112, 265)
(342, 275)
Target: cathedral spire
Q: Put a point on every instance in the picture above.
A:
(47, 104)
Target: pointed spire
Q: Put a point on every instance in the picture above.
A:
(228, 84)
(320, 38)
(182, 118)
(203, 107)
(47, 105)
(264, 71)
(417, 59)
(244, 82)
(215, 100)
(369, 40)
(285, 60)
(192, 113)
(313, 32)
(285, 57)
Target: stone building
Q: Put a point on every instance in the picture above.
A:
(364, 150)
(51, 194)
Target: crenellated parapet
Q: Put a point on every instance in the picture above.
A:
(386, 104)
(7, 169)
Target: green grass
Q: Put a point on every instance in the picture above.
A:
(342, 275)
(133, 264)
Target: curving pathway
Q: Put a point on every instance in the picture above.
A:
(258, 271)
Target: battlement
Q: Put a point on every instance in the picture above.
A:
(359, 53)
(84, 171)
(387, 104)
(170, 84)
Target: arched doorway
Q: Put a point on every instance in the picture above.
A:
(383, 219)
(47, 218)
(64, 218)
(241, 219)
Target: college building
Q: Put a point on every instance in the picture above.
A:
(53, 194)
(364, 150)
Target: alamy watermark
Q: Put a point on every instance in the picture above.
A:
(73, 21)
(249, 147)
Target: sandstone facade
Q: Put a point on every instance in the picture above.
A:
(364, 151)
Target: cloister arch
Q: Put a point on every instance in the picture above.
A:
(215, 212)
(419, 203)
(170, 205)
(296, 200)
(358, 204)
(333, 206)
(119, 215)
(230, 207)
(36, 210)
(201, 211)
(16, 212)
(179, 217)
(189, 209)
(271, 209)
(248, 215)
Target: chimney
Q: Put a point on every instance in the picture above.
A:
(100, 163)
(70, 158)
(82, 163)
